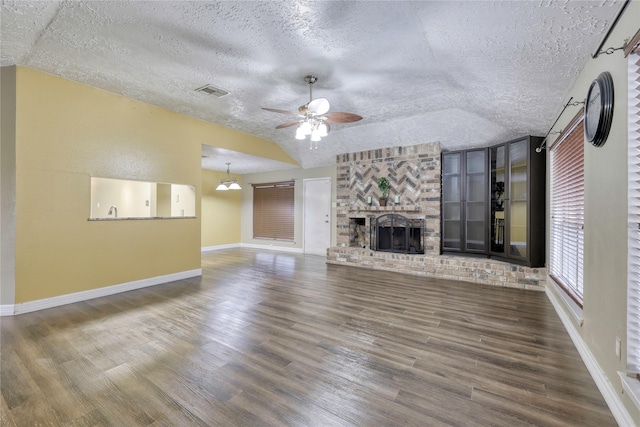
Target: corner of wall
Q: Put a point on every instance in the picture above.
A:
(7, 186)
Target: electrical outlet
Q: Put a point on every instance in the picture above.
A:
(618, 348)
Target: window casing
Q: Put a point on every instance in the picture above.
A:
(273, 211)
(566, 244)
(633, 294)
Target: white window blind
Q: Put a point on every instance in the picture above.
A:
(566, 244)
(633, 301)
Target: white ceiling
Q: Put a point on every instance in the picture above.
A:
(465, 73)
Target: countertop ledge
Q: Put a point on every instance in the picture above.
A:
(129, 218)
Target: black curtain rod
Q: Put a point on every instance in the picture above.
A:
(611, 27)
(544, 141)
(594, 56)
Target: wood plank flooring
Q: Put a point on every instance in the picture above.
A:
(279, 339)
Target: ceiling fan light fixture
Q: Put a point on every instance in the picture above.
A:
(306, 127)
(322, 129)
(313, 115)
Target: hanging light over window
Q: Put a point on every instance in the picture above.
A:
(228, 183)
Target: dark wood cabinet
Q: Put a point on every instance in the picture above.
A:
(464, 201)
(493, 202)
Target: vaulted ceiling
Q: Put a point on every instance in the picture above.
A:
(464, 73)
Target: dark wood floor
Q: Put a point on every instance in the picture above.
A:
(279, 339)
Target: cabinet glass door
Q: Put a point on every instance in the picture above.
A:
(475, 196)
(518, 199)
(451, 201)
(498, 196)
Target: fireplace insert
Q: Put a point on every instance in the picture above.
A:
(397, 233)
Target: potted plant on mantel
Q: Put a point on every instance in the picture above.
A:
(384, 187)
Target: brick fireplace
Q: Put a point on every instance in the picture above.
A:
(414, 175)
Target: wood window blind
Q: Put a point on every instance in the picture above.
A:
(273, 210)
(633, 46)
(566, 244)
(633, 294)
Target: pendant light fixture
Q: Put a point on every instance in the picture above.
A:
(228, 184)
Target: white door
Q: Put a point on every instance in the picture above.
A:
(317, 215)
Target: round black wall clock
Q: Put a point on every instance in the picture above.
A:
(598, 112)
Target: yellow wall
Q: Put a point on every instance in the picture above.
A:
(67, 132)
(221, 211)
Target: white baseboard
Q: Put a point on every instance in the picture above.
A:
(609, 394)
(273, 248)
(42, 304)
(219, 247)
(6, 310)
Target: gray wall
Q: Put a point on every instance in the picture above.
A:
(605, 228)
(7, 184)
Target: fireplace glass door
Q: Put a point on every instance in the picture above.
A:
(397, 233)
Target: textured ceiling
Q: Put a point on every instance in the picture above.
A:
(465, 73)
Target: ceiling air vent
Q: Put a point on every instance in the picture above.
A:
(212, 90)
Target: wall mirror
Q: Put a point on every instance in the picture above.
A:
(129, 199)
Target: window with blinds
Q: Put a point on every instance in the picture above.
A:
(273, 210)
(566, 244)
(633, 294)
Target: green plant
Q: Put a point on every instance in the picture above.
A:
(384, 187)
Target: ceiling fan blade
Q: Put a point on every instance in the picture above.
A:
(342, 117)
(319, 106)
(275, 110)
(286, 125)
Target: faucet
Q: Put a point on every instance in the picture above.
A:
(113, 209)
